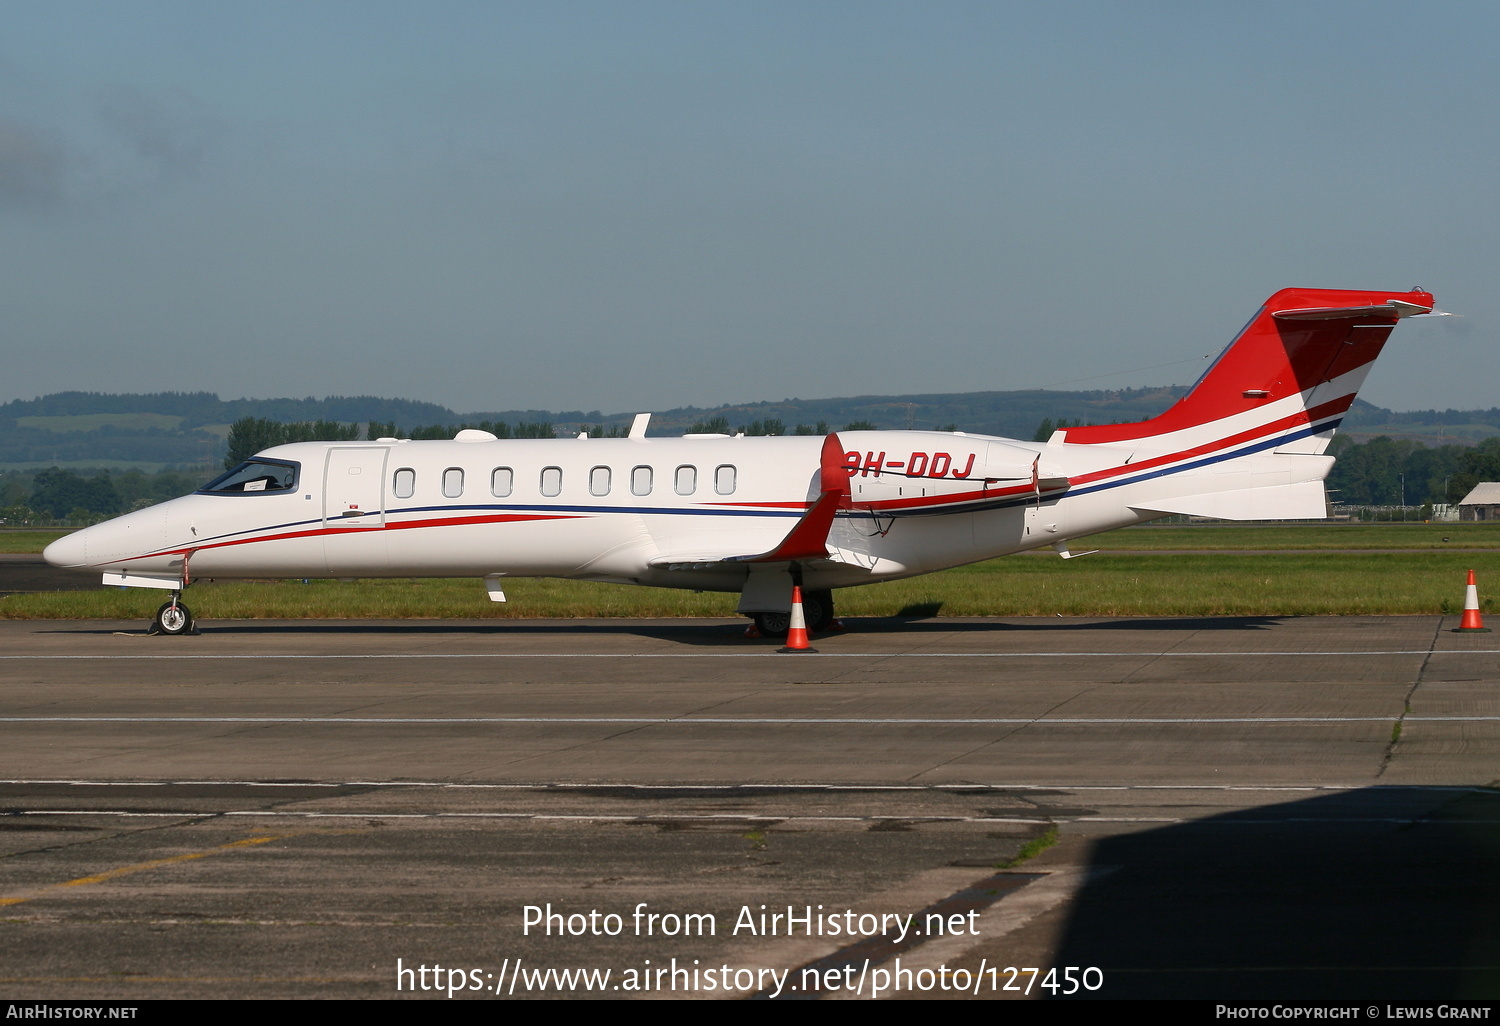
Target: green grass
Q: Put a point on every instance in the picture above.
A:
(1031, 849)
(440, 598)
(1208, 537)
(28, 541)
(1207, 584)
(1125, 584)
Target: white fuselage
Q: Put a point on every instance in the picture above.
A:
(654, 511)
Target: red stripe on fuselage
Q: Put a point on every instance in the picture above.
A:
(325, 531)
(759, 505)
(1328, 409)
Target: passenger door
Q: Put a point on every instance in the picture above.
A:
(354, 487)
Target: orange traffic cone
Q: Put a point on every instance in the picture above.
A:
(796, 635)
(1471, 622)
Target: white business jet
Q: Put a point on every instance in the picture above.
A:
(757, 515)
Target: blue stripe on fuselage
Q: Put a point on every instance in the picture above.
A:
(974, 506)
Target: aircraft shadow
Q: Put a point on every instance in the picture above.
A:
(714, 633)
(907, 625)
(566, 628)
(1380, 893)
(19, 576)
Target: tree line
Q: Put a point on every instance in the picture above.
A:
(1386, 471)
(59, 496)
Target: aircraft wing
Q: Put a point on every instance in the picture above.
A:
(808, 538)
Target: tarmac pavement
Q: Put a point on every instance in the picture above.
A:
(1242, 807)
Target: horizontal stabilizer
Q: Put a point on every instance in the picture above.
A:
(1390, 308)
(1303, 501)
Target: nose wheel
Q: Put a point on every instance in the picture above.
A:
(173, 618)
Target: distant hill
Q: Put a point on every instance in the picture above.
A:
(1012, 414)
(197, 409)
(1429, 427)
(187, 429)
(166, 428)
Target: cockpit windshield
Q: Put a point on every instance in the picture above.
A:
(254, 476)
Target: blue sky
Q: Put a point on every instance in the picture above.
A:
(633, 206)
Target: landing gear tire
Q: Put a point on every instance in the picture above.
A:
(173, 618)
(817, 610)
(773, 625)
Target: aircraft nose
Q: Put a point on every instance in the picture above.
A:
(69, 550)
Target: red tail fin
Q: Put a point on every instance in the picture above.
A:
(1300, 339)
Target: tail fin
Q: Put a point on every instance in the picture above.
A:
(1293, 371)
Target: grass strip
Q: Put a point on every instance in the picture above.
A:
(1031, 849)
(1208, 537)
(1107, 584)
(28, 541)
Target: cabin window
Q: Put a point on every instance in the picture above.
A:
(640, 481)
(453, 482)
(686, 480)
(405, 484)
(551, 481)
(724, 479)
(255, 476)
(502, 482)
(599, 481)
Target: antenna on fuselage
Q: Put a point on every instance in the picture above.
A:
(638, 426)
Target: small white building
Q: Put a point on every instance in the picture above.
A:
(1483, 503)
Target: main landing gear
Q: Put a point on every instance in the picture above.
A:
(173, 618)
(817, 610)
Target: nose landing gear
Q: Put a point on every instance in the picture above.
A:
(173, 618)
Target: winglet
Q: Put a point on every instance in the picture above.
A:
(809, 538)
(835, 473)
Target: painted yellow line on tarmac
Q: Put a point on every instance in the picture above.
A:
(141, 867)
